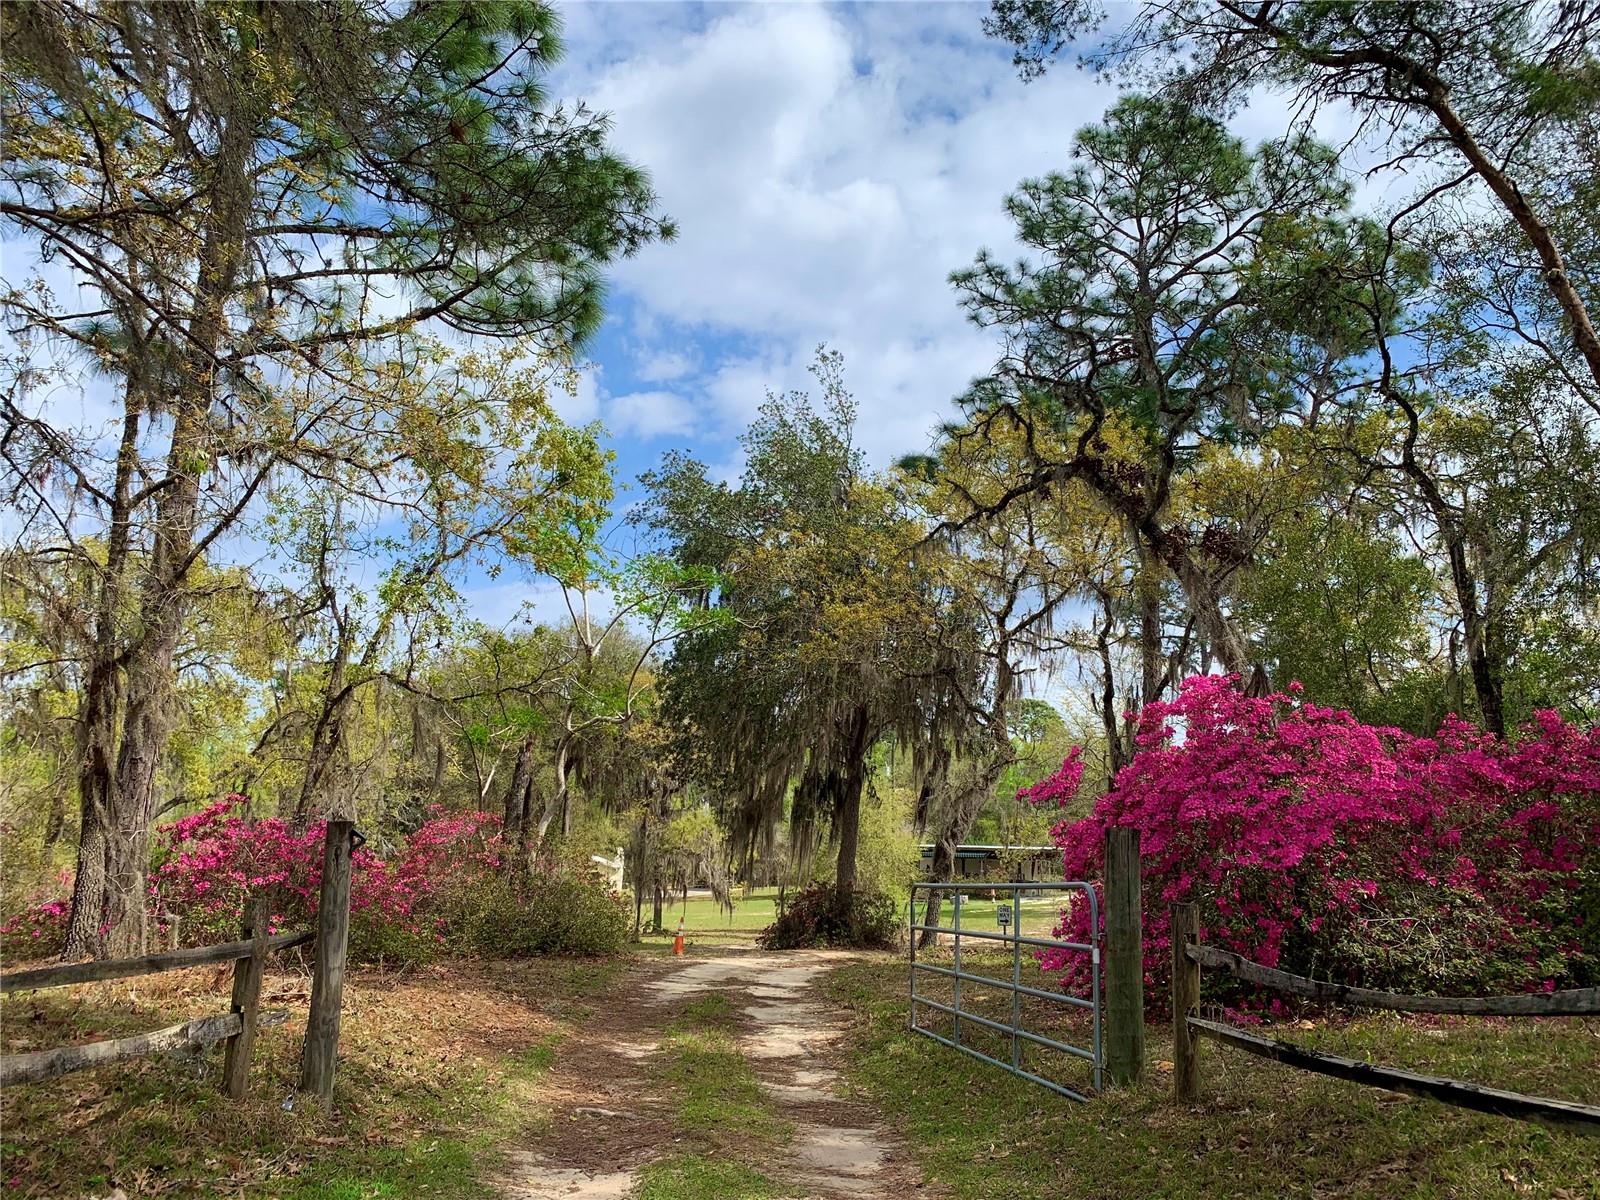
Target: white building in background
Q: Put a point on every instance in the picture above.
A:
(611, 866)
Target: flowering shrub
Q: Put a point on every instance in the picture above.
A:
(209, 862)
(1315, 843)
(40, 929)
(440, 892)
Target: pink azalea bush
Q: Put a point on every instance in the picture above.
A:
(440, 891)
(40, 927)
(208, 863)
(1456, 864)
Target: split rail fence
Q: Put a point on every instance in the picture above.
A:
(238, 1026)
(1189, 955)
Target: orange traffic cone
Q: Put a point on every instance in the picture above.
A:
(677, 942)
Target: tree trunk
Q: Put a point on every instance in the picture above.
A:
(517, 793)
(965, 802)
(553, 804)
(102, 701)
(57, 818)
(149, 717)
(1487, 680)
(88, 893)
(1205, 602)
(1119, 733)
(147, 727)
(327, 736)
(1152, 657)
(942, 869)
(847, 811)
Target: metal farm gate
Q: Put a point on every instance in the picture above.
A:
(1010, 935)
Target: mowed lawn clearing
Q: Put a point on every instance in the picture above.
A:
(1261, 1130)
(707, 923)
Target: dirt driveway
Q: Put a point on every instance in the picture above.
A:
(609, 1121)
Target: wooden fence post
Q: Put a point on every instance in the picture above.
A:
(246, 999)
(327, 980)
(1185, 1003)
(1124, 959)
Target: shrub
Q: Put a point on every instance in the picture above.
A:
(441, 892)
(38, 930)
(566, 911)
(823, 916)
(1315, 843)
(208, 863)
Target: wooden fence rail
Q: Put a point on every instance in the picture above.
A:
(1188, 956)
(1573, 1003)
(236, 1027)
(150, 964)
(1560, 1113)
(40, 1065)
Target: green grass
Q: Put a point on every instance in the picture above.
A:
(707, 924)
(1260, 1130)
(1039, 914)
(723, 1116)
(693, 1177)
(718, 1099)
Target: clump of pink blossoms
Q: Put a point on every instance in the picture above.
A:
(1313, 842)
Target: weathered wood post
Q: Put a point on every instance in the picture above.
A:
(1124, 959)
(1185, 1003)
(246, 998)
(327, 980)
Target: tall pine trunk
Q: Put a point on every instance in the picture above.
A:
(150, 699)
(103, 693)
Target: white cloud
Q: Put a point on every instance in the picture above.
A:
(580, 404)
(828, 169)
(650, 415)
(665, 365)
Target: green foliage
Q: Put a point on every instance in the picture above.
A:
(1341, 607)
(564, 910)
(560, 912)
(887, 858)
(822, 915)
(825, 618)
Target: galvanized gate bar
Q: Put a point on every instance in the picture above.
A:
(1029, 1075)
(1048, 943)
(1005, 985)
(1017, 1034)
(1037, 1039)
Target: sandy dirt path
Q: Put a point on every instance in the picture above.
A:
(607, 1121)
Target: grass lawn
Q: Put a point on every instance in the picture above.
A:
(1039, 914)
(705, 923)
(1260, 1130)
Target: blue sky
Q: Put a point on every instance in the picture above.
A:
(828, 166)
